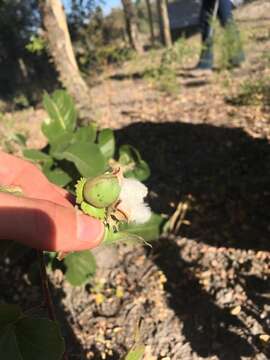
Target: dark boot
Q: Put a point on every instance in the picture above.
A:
(206, 58)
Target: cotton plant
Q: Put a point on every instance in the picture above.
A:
(115, 200)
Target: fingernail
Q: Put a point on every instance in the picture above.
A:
(89, 230)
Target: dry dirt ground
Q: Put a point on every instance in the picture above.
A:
(203, 293)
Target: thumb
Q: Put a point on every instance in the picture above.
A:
(45, 225)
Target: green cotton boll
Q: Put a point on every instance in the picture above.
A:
(102, 191)
(93, 211)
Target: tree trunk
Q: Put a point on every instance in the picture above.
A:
(150, 20)
(60, 47)
(132, 26)
(164, 23)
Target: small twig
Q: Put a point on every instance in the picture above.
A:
(45, 287)
(46, 292)
(124, 168)
(178, 217)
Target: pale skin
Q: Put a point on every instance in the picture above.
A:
(43, 217)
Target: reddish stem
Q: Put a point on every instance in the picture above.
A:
(45, 287)
(46, 292)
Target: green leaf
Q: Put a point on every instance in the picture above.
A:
(87, 158)
(80, 265)
(86, 133)
(51, 130)
(26, 338)
(106, 143)
(38, 157)
(129, 156)
(58, 177)
(140, 172)
(113, 237)
(9, 349)
(127, 153)
(39, 339)
(148, 231)
(62, 114)
(61, 109)
(9, 313)
(82, 134)
(59, 145)
(136, 353)
(19, 138)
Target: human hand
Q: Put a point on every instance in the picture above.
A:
(43, 217)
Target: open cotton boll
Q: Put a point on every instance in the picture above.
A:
(131, 201)
(140, 214)
(132, 191)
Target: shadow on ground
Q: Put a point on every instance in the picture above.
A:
(225, 170)
(227, 174)
(210, 329)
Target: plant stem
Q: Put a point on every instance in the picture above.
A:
(46, 292)
(45, 287)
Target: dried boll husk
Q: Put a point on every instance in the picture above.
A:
(102, 191)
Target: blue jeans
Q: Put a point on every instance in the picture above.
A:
(224, 15)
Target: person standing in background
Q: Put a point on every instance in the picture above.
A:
(222, 9)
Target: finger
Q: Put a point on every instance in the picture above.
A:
(64, 193)
(34, 184)
(48, 226)
(60, 190)
(10, 167)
